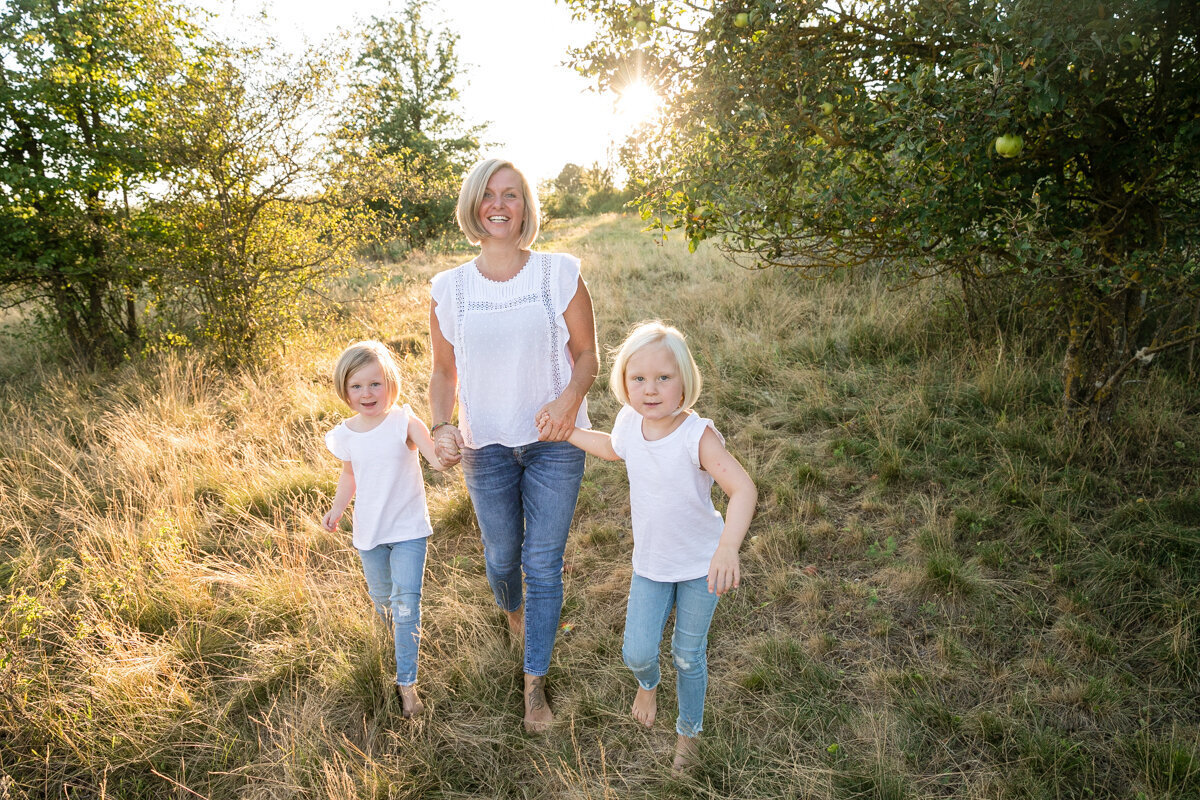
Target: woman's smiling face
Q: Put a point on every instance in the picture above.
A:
(502, 211)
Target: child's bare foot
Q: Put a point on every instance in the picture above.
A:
(410, 704)
(516, 624)
(538, 715)
(645, 706)
(685, 753)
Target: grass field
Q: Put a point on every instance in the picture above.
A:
(946, 591)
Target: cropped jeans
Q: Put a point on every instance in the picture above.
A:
(394, 573)
(524, 499)
(650, 603)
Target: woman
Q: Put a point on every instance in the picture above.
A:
(514, 341)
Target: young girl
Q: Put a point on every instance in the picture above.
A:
(378, 447)
(684, 555)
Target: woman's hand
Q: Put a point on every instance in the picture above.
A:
(448, 444)
(556, 420)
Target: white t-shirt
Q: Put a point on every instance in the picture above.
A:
(510, 345)
(675, 525)
(389, 497)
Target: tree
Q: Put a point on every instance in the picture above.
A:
(578, 190)
(563, 196)
(602, 195)
(403, 107)
(570, 180)
(1053, 145)
(81, 85)
(258, 213)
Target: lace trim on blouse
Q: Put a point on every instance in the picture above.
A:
(552, 319)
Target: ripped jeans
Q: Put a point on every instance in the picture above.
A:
(394, 572)
(650, 603)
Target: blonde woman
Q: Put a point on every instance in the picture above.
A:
(514, 346)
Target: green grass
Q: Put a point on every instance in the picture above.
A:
(947, 591)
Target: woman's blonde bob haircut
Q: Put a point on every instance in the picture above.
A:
(470, 198)
(357, 356)
(646, 334)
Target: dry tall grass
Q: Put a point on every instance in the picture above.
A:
(945, 594)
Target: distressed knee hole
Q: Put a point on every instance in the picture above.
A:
(688, 662)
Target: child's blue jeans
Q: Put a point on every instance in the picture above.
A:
(650, 603)
(394, 573)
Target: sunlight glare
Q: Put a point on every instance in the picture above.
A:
(637, 103)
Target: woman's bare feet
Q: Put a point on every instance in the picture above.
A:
(410, 704)
(538, 715)
(645, 706)
(685, 753)
(516, 624)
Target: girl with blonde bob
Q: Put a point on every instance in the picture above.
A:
(685, 556)
(378, 449)
(651, 333)
(514, 348)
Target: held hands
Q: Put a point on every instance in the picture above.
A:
(556, 420)
(448, 444)
(724, 572)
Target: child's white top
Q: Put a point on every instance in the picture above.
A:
(389, 496)
(675, 526)
(510, 345)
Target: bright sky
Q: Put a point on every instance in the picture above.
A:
(542, 114)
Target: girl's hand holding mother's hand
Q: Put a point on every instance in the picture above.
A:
(448, 444)
(556, 420)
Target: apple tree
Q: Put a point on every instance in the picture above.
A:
(1051, 147)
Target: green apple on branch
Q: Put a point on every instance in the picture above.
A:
(1009, 145)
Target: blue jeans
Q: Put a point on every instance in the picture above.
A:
(650, 603)
(394, 572)
(524, 499)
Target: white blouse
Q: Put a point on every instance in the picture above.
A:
(510, 345)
